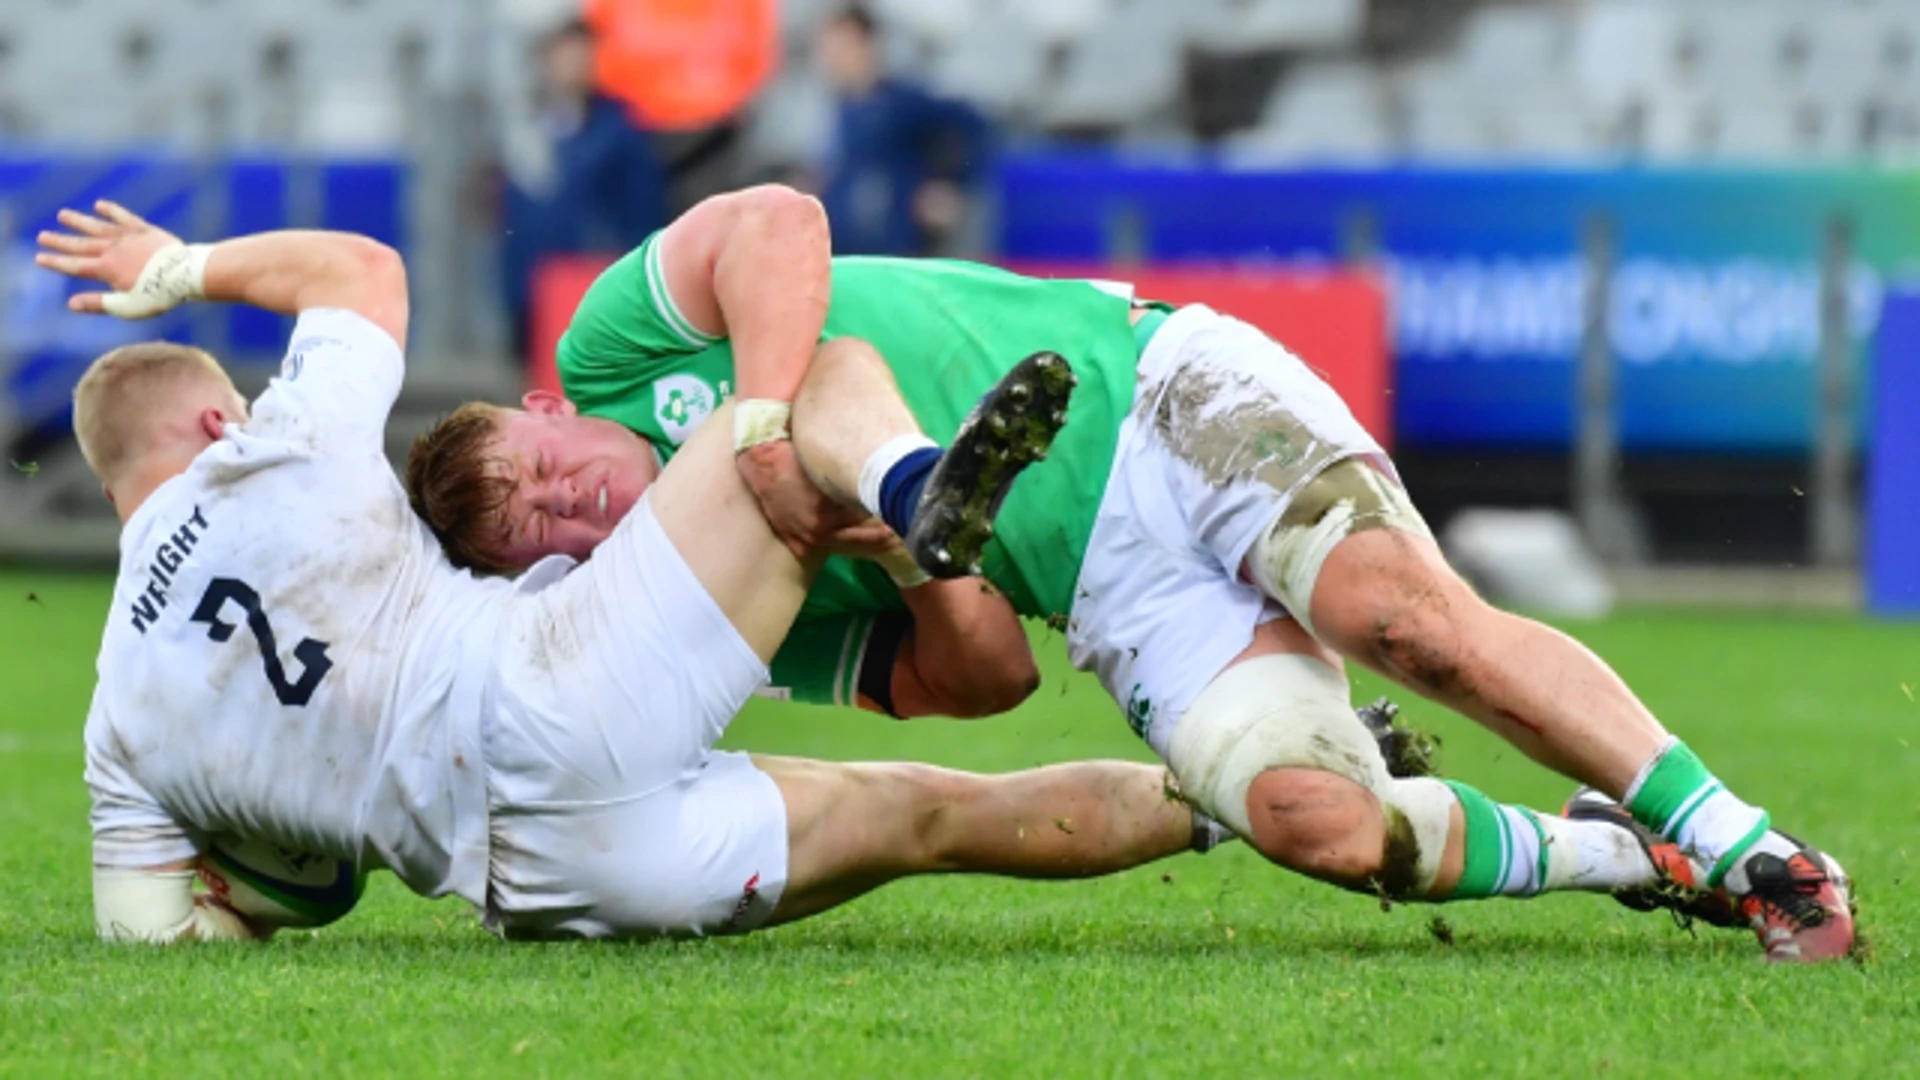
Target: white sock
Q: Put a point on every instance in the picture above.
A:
(881, 462)
(1593, 856)
(1676, 796)
(1588, 855)
(1718, 824)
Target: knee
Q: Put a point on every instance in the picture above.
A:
(846, 353)
(1319, 824)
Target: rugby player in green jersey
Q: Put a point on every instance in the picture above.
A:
(1217, 534)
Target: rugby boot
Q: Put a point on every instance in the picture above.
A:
(1682, 888)
(1010, 429)
(1796, 899)
(1409, 752)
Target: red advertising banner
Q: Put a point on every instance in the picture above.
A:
(1335, 320)
(558, 284)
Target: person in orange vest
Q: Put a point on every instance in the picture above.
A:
(684, 65)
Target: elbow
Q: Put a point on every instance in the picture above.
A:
(1009, 682)
(379, 267)
(1006, 695)
(784, 211)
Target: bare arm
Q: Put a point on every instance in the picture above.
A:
(967, 654)
(296, 270)
(756, 267)
(288, 272)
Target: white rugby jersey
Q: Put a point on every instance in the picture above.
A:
(289, 655)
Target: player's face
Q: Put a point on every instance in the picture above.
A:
(574, 477)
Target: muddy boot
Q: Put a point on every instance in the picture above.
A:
(1682, 888)
(1011, 428)
(1409, 753)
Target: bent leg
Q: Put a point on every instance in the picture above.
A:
(1272, 749)
(848, 408)
(852, 432)
(854, 827)
(715, 524)
(1352, 552)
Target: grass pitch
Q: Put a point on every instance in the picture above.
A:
(1211, 966)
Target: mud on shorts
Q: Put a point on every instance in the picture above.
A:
(610, 813)
(1231, 439)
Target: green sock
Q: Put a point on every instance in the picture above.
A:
(1514, 851)
(1678, 798)
(1505, 848)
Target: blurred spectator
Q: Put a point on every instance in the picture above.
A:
(586, 180)
(903, 160)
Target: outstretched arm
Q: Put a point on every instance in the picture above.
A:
(150, 271)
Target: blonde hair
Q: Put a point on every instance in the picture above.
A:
(122, 399)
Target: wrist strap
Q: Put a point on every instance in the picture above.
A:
(173, 275)
(905, 572)
(759, 420)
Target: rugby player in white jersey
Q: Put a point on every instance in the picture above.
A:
(289, 656)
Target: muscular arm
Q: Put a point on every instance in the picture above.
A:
(966, 655)
(289, 271)
(754, 266)
(297, 269)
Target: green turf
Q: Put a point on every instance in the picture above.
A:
(1206, 966)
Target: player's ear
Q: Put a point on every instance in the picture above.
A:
(547, 403)
(213, 423)
(108, 492)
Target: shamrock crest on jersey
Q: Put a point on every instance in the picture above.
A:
(680, 403)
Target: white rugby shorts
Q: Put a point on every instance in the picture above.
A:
(611, 815)
(1227, 427)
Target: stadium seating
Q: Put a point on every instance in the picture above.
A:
(1720, 80)
(995, 66)
(1239, 26)
(1327, 112)
(99, 73)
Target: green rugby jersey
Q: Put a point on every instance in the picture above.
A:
(949, 330)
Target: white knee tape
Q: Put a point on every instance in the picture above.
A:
(1271, 712)
(1349, 496)
(1425, 809)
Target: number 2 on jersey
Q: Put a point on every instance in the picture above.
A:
(312, 654)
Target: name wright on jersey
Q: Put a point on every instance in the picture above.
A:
(165, 561)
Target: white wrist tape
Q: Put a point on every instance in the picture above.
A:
(899, 565)
(158, 907)
(175, 274)
(759, 420)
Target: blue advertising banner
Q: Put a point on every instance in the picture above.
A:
(45, 347)
(1715, 297)
(1893, 470)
